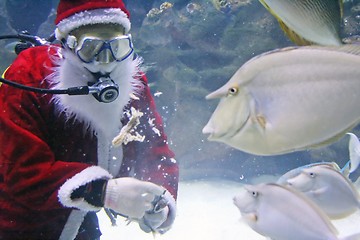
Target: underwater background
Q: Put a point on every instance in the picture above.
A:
(191, 48)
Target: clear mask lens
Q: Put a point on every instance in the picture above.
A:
(103, 51)
(121, 48)
(105, 56)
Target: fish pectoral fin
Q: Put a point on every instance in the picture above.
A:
(261, 121)
(318, 192)
(250, 217)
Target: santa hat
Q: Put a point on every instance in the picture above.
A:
(72, 14)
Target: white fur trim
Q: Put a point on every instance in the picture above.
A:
(102, 15)
(97, 116)
(86, 176)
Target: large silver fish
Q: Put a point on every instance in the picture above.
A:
(289, 99)
(281, 213)
(308, 21)
(329, 189)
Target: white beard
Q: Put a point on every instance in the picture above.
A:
(102, 118)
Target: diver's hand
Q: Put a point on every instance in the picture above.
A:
(160, 218)
(131, 197)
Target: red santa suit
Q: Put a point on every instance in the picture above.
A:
(52, 144)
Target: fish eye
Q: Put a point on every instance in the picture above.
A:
(311, 174)
(233, 91)
(254, 194)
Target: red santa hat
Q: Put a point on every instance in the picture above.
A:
(72, 14)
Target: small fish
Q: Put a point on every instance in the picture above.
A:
(281, 213)
(329, 189)
(306, 22)
(288, 100)
(350, 166)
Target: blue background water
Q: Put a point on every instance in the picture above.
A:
(189, 50)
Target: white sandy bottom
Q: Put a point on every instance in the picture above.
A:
(205, 211)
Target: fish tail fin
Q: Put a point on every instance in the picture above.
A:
(354, 152)
(293, 36)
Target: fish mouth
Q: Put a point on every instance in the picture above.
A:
(208, 130)
(214, 135)
(237, 203)
(211, 130)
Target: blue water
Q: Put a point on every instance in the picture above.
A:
(190, 50)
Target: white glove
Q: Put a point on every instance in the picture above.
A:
(160, 220)
(131, 197)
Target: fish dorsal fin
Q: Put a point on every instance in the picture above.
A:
(277, 50)
(350, 48)
(341, 7)
(346, 48)
(268, 8)
(293, 36)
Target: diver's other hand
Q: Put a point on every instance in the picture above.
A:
(160, 220)
(131, 197)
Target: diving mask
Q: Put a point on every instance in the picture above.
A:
(90, 49)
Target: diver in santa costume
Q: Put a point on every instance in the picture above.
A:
(59, 165)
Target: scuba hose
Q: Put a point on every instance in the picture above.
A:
(105, 90)
(27, 41)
